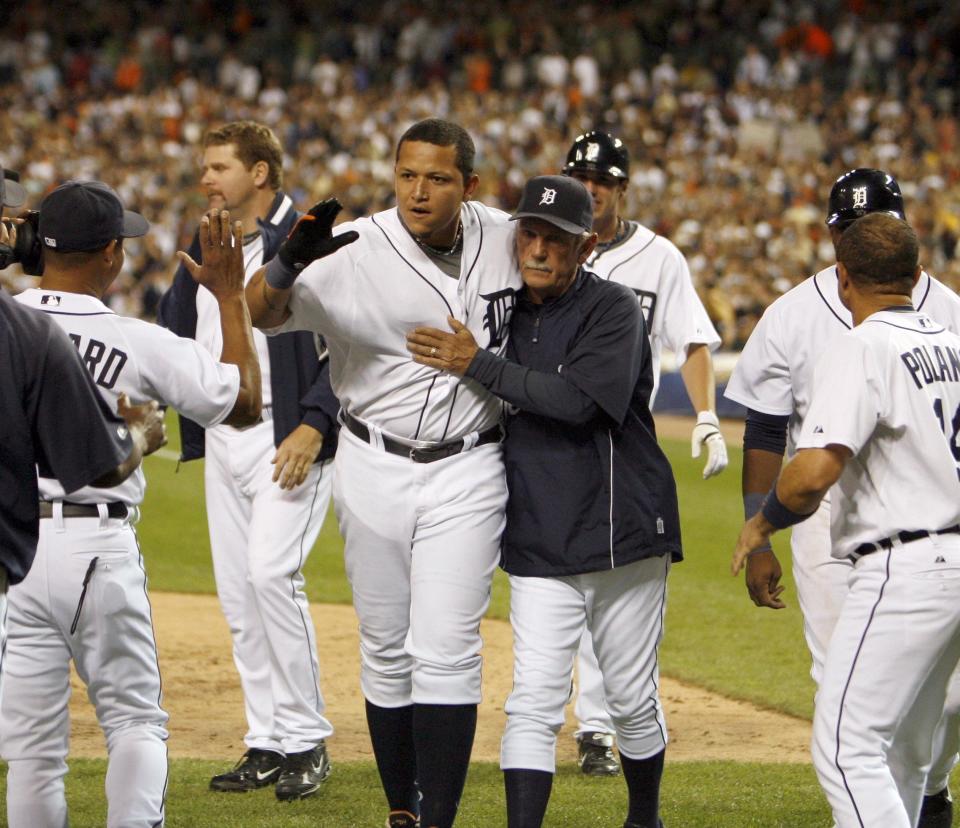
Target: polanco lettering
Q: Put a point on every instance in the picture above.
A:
(928, 364)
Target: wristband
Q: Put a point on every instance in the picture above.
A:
(279, 275)
(752, 501)
(778, 515)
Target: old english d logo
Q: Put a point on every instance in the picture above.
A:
(497, 316)
(548, 196)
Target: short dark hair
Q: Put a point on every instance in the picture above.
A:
(443, 133)
(881, 250)
(254, 142)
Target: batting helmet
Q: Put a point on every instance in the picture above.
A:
(862, 191)
(599, 152)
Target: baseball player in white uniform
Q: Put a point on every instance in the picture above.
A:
(85, 597)
(419, 488)
(773, 379)
(882, 424)
(656, 271)
(267, 487)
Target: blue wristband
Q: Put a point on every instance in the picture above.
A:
(778, 515)
(279, 276)
(752, 502)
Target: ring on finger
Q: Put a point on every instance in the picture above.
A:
(433, 351)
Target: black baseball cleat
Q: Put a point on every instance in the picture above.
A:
(303, 773)
(937, 810)
(402, 819)
(256, 769)
(637, 825)
(595, 754)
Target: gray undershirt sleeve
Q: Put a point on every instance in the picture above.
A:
(549, 395)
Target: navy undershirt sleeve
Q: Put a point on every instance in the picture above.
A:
(549, 395)
(767, 432)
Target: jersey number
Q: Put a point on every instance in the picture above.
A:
(648, 304)
(954, 429)
(104, 367)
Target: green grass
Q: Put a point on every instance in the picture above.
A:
(695, 795)
(715, 636)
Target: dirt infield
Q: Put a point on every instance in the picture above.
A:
(202, 695)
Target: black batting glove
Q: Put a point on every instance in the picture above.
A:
(310, 239)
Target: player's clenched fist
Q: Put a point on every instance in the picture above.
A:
(311, 239)
(221, 249)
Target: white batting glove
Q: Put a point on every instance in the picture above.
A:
(707, 430)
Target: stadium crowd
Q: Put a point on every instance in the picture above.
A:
(739, 114)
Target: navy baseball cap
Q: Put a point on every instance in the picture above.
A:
(86, 215)
(558, 199)
(12, 193)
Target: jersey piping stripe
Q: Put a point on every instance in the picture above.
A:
(905, 328)
(655, 670)
(311, 650)
(926, 292)
(829, 306)
(631, 232)
(410, 265)
(69, 313)
(423, 410)
(615, 268)
(843, 697)
(166, 779)
(453, 402)
(476, 258)
(610, 439)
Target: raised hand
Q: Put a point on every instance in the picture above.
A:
(221, 248)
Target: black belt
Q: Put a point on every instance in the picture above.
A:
(428, 454)
(903, 537)
(115, 509)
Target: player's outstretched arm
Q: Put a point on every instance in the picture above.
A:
(798, 492)
(268, 292)
(698, 378)
(222, 273)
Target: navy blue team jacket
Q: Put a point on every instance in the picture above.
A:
(299, 382)
(590, 488)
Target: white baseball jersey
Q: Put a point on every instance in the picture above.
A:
(367, 297)
(209, 334)
(889, 390)
(653, 268)
(774, 373)
(145, 362)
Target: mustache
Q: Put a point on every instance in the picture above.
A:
(528, 265)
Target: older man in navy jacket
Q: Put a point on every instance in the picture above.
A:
(592, 522)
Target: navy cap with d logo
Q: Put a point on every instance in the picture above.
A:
(558, 199)
(86, 215)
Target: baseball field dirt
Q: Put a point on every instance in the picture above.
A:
(202, 696)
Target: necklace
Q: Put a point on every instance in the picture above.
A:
(453, 248)
(618, 237)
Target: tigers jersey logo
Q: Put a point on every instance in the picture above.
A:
(497, 315)
(648, 304)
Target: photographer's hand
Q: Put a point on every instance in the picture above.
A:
(8, 240)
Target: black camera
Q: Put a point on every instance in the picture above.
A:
(27, 249)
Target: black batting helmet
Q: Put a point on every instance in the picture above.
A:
(862, 191)
(599, 152)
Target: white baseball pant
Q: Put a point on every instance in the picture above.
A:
(590, 707)
(896, 643)
(624, 609)
(422, 542)
(115, 654)
(260, 536)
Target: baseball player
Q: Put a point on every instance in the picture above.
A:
(592, 521)
(772, 379)
(882, 424)
(419, 487)
(52, 418)
(85, 597)
(655, 270)
(267, 487)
